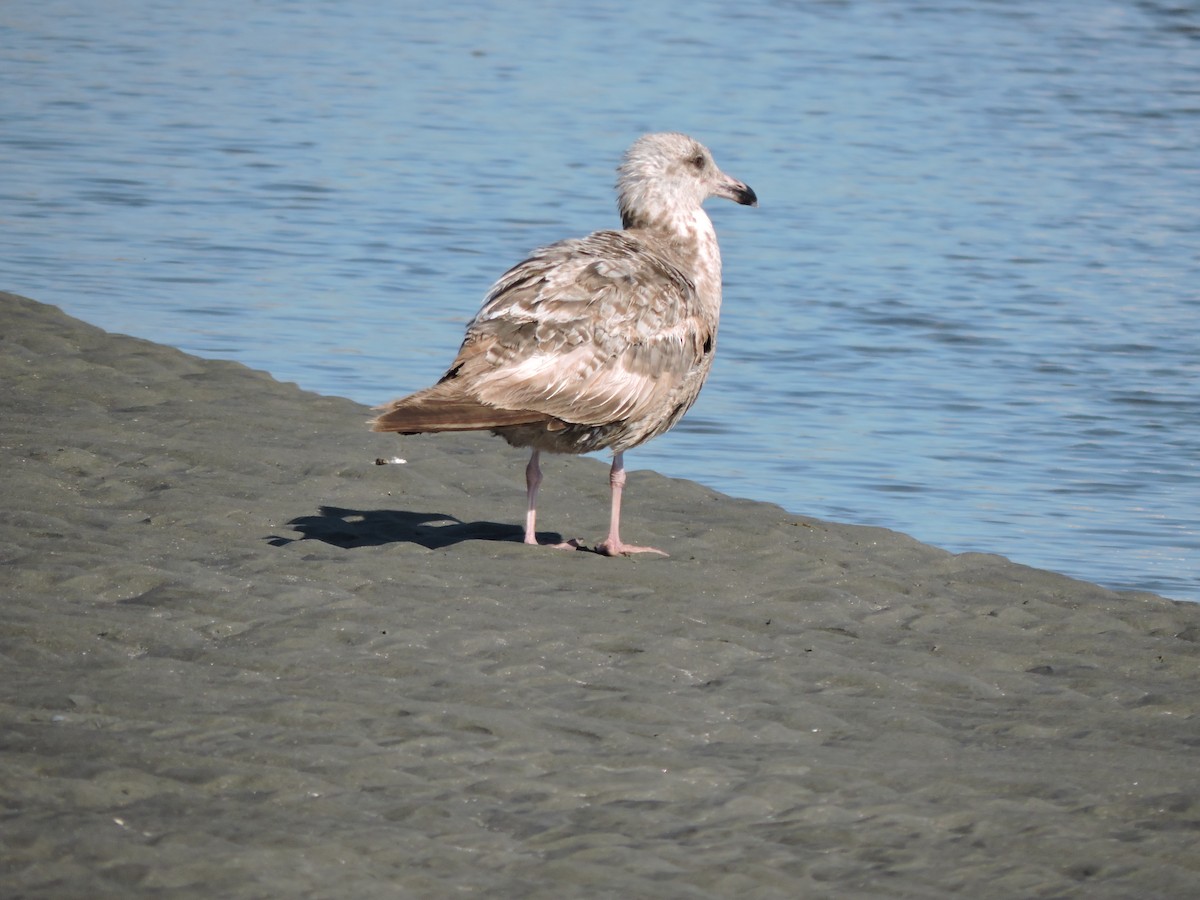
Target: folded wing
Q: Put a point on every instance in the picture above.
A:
(584, 332)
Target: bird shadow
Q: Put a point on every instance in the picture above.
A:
(349, 528)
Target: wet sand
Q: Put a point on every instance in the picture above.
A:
(242, 660)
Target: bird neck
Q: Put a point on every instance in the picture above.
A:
(692, 241)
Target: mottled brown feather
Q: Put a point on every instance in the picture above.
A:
(599, 342)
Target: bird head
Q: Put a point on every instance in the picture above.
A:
(667, 174)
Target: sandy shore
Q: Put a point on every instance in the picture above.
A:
(241, 660)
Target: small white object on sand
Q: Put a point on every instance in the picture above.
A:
(600, 342)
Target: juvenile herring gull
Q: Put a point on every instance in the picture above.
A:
(600, 342)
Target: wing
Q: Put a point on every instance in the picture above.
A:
(589, 331)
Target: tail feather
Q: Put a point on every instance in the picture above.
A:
(437, 409)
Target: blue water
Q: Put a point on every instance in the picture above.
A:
(968, 307)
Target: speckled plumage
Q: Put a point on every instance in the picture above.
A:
(600, 342)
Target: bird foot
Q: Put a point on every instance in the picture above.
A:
(610, 547)
(573, 544)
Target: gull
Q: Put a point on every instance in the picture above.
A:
(595, 343)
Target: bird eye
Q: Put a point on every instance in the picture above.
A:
(697, 161)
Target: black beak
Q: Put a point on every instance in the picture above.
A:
(732, 189)
(744, 194)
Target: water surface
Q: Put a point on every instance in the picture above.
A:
(966, 309)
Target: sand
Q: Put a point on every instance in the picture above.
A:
(242, 660)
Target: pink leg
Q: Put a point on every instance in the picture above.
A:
(533, 480)
(613, 545)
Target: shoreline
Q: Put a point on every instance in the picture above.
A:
(242, 659)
